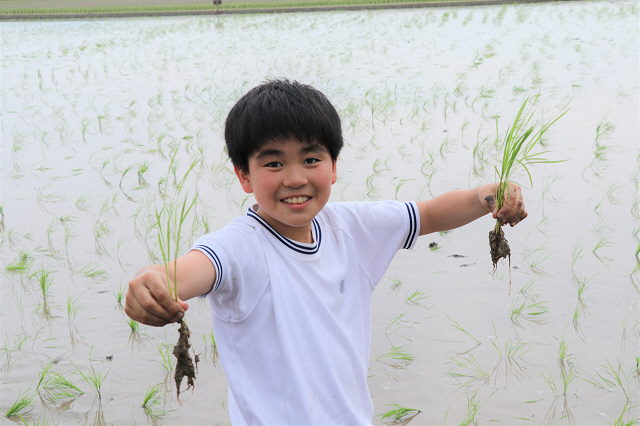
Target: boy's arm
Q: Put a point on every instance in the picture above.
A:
(457, 208)
(149, 298)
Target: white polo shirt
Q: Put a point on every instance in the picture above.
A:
(293, 320)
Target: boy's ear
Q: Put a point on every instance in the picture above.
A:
(244, 179)
(334, 172)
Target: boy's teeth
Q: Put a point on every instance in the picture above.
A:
(295, 200)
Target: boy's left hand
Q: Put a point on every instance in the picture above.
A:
(512, 210)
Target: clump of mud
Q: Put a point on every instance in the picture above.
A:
(499, 247)
(499, 250)
(184, 364)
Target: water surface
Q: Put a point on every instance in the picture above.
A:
(92, 111)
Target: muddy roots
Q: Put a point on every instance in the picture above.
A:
(184, 364)
(499, 247)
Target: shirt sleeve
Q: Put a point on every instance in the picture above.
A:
(240, 272)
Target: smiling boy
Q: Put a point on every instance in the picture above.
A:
(290, 283)
(291, 182)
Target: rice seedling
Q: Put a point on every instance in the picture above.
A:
(43, 375)
(535, 258)
(43, 197)
(165, 356)
(576, 254)
(372, 189)
(93, 379)
(444, 147)
(44, 281)
(512, 355)
(577, 313)
(400, 413)
(530, 309)
(142, 169)
(457, 326)
(90, 271)
(212, 350)
(152, 401)
(613, 377)
(396, 357)
(623, 419)
(395, 284)
(473, 406)
(105, 163)
(546, 191)
(581, 286)
(68, 235)
(21, 265)
(602, 243)
(625, 335)
(514, 351)
(213, 340)
(58, 387)
(480, 159)
(566, 362)
(415, 298)
(169, 220)
(73, 307)
(604, 129)
(472, 372)
(397, 320)
(120, 183)
(120, 294)
(100, 230)
(18, 341)
(22, 401)
(399, 185)
(133, 325)
(517, 151)
(611, 193)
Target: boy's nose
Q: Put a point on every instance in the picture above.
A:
(295, 178)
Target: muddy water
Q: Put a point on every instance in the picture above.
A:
(92, 110)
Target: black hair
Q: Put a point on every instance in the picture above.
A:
(278, 109)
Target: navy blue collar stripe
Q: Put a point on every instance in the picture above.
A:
(413, 228)
(217, 263)
(288, 242)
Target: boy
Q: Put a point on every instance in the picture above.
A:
(289, 284)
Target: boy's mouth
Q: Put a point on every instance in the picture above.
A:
(295, 200)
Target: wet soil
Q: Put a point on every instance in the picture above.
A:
(184, 365)
(499, 247)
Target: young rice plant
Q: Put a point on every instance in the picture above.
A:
(517, 152)
(170, 219)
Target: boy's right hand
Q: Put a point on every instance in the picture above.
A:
(149, 302)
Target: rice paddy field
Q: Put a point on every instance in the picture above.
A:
(94, 111)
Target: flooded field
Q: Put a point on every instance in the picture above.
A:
(93, 112)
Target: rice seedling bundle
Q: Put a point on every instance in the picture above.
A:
(517, 152)
(170, 219)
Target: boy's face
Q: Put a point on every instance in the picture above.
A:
(291, 182)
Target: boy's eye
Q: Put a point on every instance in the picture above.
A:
(273, 164)
(311, 160)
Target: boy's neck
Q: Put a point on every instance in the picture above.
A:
(301, 234)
